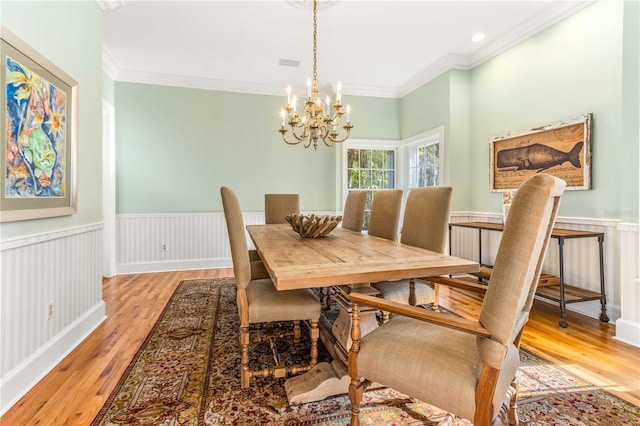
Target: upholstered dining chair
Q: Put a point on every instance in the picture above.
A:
(353, 214)
(259, 302)
(385, 213)
(353, 219)
(277, 206)
(425, 225)
(464, 366)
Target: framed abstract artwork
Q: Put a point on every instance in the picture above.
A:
(39, 129)
(562, 149)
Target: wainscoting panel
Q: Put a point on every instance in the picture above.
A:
(62, 269)
(199, 241)
(628, 325)
(169, 242)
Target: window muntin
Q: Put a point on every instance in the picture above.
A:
(369, 170)
(411, 162)
(424, 165)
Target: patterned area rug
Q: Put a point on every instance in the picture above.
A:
(187, 373)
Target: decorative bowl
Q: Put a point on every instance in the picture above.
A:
(313, 226)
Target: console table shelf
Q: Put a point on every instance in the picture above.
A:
(549, 287)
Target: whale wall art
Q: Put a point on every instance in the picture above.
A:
(562, 149)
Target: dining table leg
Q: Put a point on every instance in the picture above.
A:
(342, 326)
(327, 379)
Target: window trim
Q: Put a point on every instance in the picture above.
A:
(424, 138)
(400, 147)
(364, 144)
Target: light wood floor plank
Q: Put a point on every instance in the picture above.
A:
(76, 389)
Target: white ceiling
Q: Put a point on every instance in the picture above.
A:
(375, 48)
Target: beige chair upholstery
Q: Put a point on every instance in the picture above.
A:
(464, 366)
(353, 219)
(277, 206)
(259, 302)
(385, 213)
(353, 215)
(425, 225)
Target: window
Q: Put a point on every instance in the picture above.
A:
(424, 164)
(410, 163)
(370, 169)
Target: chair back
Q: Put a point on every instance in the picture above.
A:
(237, 237)
(353, 215)
(277, 206)
(385, 213)
(426, 218)
(518, 263)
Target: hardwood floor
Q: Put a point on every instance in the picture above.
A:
(75, 390)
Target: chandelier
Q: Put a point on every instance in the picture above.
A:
(318, 120)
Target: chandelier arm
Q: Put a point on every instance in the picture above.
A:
(316, 118)
(303, 136)
(348, 128)
(283, 130)
(324, 132)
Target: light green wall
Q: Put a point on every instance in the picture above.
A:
(426, 107)
(444, 101)
(175, 148)
(629, 160)
(457, 160)
(177, 164)
(107, 88)
(69, 34)
(571, 68)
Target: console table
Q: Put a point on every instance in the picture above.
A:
(549, 287)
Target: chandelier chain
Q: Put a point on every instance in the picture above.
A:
(317, 119)
(315, 40)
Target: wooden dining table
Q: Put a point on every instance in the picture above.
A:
(351, 261)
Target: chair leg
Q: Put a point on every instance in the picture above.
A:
(355, 397)
(245, 374)
(436, 296)
(356, 387)
(512, 414)
(314, 333)
(297, 333)
(412, 292)
(485, 388)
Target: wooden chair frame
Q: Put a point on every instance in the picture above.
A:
(488, 379)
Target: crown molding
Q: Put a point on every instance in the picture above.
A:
(109, 64)
(448, 62)
(109, 5)
(444, 64)
(145, 77)
(162, 79)
(539, 22)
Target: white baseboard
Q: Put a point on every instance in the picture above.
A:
(628, 332)
(26, 375)
(173, 265)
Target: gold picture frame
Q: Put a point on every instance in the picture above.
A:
(39, 127)
(562, 149)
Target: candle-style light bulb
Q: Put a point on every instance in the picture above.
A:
(328, 102)
(282, 113)
(338, 94)
(348, 112)
(294, 102)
